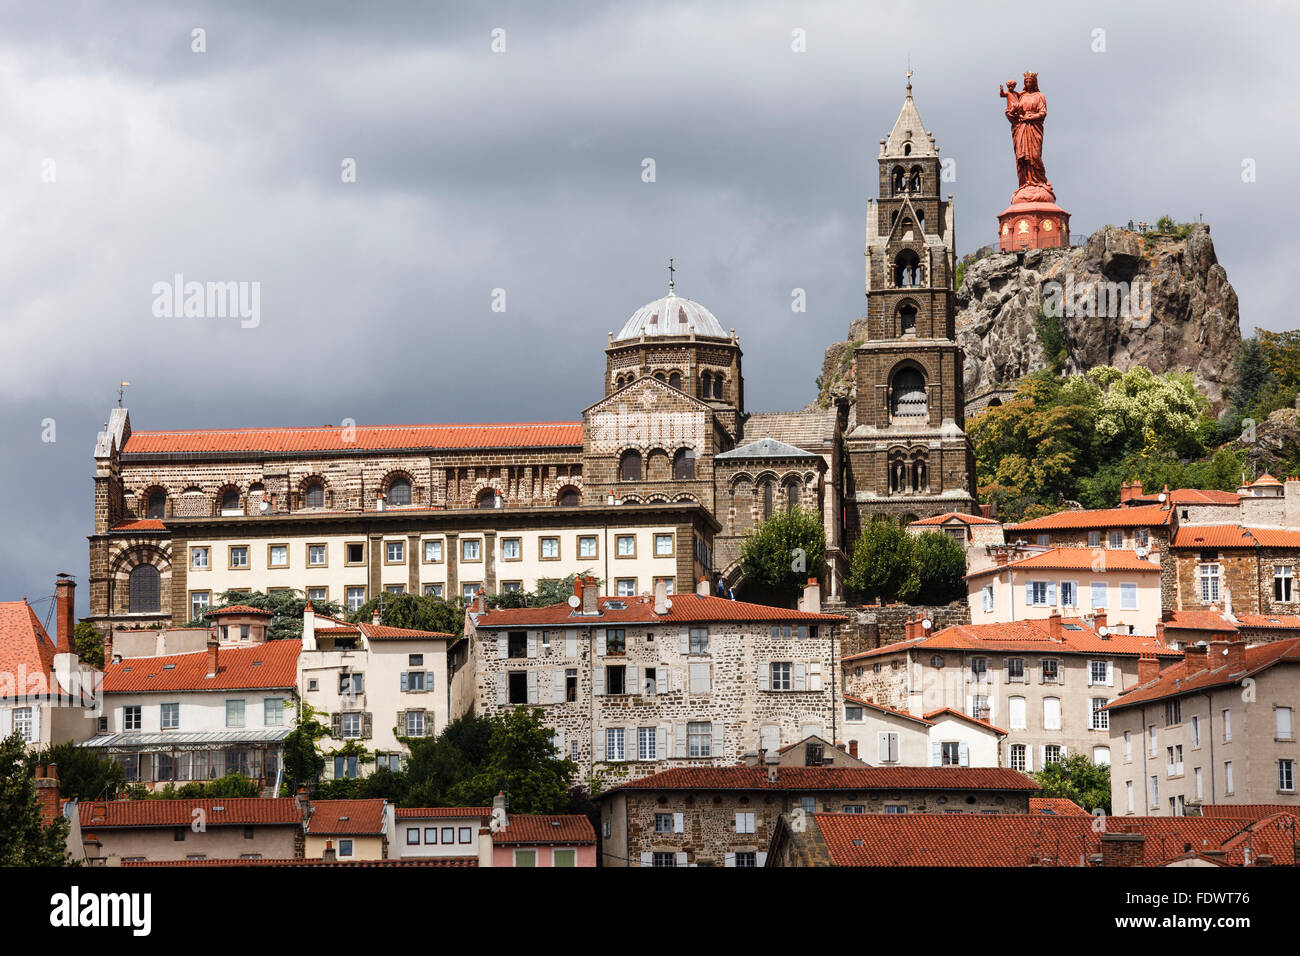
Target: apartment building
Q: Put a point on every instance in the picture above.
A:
(1047, 682)
(940, 738)
(1217, 727)
(228, 828)
(632, 685)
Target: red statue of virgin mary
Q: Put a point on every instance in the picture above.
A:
(1033, 220)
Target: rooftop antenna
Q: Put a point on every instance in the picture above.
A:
(671, 270)
(121, 390)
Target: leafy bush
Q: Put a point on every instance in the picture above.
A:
(781, 554)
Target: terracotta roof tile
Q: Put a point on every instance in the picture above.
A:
(225, 811)
(1180, 678)
(1214, 536)
(1248, 811)
(1076, 559)
(1056, 806)
(378, 632)
(346, 817)
(452, 861)
(139, 524)
(1199, 621)
(892, 712)
(1285, 622)
(1203, 496)
(950, 712)
(242, 609)
(1142, 516)
(270, 665)
(686, 609)
(834, 778)
(957, 516)
(1032, 635)
(360, 438)
(433, 813)
(26, 648)
(571, 828)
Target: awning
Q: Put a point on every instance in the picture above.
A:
(201, 740)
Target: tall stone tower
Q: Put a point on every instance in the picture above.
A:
(908, 453)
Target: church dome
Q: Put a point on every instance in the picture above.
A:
(671, 315)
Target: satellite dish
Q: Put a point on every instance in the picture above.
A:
(264, 506)
(669, 604)
(1162, 496)
(927, 624)
(575, 601)
(1103, 631)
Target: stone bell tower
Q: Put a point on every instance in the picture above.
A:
(908, 453)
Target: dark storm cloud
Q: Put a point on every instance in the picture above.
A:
(522, 171)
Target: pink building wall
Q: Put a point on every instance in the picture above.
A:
(505, 855)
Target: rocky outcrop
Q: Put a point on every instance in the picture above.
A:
(1122, 299)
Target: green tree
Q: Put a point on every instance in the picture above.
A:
(1077, 778)
(549, 591)
(938, 570)
(84, 772)
(286, 608)
(421, 612)
(90, 644)
(881, 561)
(782, 553)
(302, 760)
(24, 839)
(523, 763)
(1254, 374)
(1282, 350)
(438, 763)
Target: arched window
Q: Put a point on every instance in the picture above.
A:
(675, 380)
(661, 377)
(908, 394)
(569, 497)
(314, 495)
(907, 149)
(230, 501)
(791, 496)
(916, 180)
(629, 466)
(488, 498)
(769, 490)
(684, 465)
(706, 385)
(907, 269)
(717, 386)
(157, 505)
(899, 177)
(907, 318)
(146, 593)
(399, 492)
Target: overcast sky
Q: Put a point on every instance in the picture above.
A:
(522, 170)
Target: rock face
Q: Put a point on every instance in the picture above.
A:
(1123, 299)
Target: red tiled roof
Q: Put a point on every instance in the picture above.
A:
(569, 828)
(223, 811)
(1076, 559)
(139, 524)
(379, 632)
(270, 665)
(26, 648)
(1265, 479)
(1142, 516)
(1057, 806)
(241, 609)
(430, 813)
(887, 710)
(976, 839)
(346, 817)
(1203, 496)
(955, 515)
(949, 712)
(360, 438)
(834, 778)
(1276, 537)
(453, 861)
(1247, 811)
(1199, 621)
(1180, 678)
(1214, 536)
(687, 608)
(1286, 622)
(1030, 635)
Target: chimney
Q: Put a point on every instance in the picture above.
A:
(480, 602)
(661, 596)
(303, 804)
(47, 792)
(1123, 492)
(1000, 558)
(1122, 849)
(1099, 620)
(500, 819)
(1054, 628)
(702, 589)
(328, 853)
(375, 617)
(309, 628)
(65, 590)
(1148, 668)
(812, 597)
(379, 501)
(853, 748)
(212, 658)
(773, 774)
(590, 595)
(908, 629)
(1231, 653)
(1195, 656)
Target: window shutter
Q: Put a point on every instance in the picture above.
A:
(36, 722)
(405, 682)
(884, 748)
(1051, 594)
(367, 725)
(598, 681)
(684, 643)
(6, 722)
(1029, 757)
(503, 645)
(661, 742)
(598, 744)
(1042, 761)
(964, 754)
(679, 824)
(970, 706)
(558, 738)
(800, 676)
(401, 723)
(764, 672)
(730, 860)
(501, 691)
(557, 685)
(336, 726)
(647, 859)
(681, 859)
(532, 687)
(428, 680)
(571, 643)
(1029, 593)
(715, 749)
(532, 643)
(814, 675)
(631, 680)
(761, 858)
(1063, 751)
(679, 740)
(1110, 673)
(936, 753)
(893, 747)
(600, 642)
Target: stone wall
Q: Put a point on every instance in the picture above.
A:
(875, 625)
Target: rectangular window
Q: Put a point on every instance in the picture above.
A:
(1117, 539)
(1018, 757)
(699, 738)
(1142, 538)
(1128, 746)
(433, 590)
(1282, 717)
(234, 713)
(1282, 583)
(548, 548)
(412, 836)
(351, 684)
(1099, 594)
(746, 859)
(318, 595)
(469, 590)
(669, 584)
(781, 677)
(415, 723)
(1097, 672)
(663, 546)
(525, 857)
(1016, 670)
(433, 551)
(1069, 594)
(699, 640)
(1044, 540)
(200, 601)
(1052, 754)
(701, 678)
(616, 680)
(200, 558)
(1094, 539)
(979, 667)
(345, 848)
(744, 821)
(663, 823)
(1100, 718)
(571, 684)
(345, 767)
(614, 744)
(1051, 669)
(1209, 579)
(355, 598)
(414, 681)
(317, 556)
(625, 546)
(987, 596)
(1128, 597)
(394, 588)
(277, 555)
(1173, 712)
(238, 556)
(587, 546)
(663, 859)
(565, 858)
(852, 713)
(1196, 731)
(169, 716)
(350, 725)
(469, 550)
(889, 747)
(645, 743)
(1016, 712)
(394, 552)
(1227, 726)
(1200, 786)
(273, 711)
(950, 753)
(1051, 713)
(1227, 777)
(1286, 775)
(626, 587)
(1038, 593)
(517, 687)
(615, 640)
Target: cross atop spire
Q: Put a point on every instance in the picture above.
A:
(671, 270)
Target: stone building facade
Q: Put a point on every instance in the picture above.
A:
(633, 686)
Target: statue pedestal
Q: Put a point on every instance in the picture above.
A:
(1033, 225)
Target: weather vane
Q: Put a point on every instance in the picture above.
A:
(121, 390)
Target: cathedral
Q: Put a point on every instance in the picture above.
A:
(660, 480)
